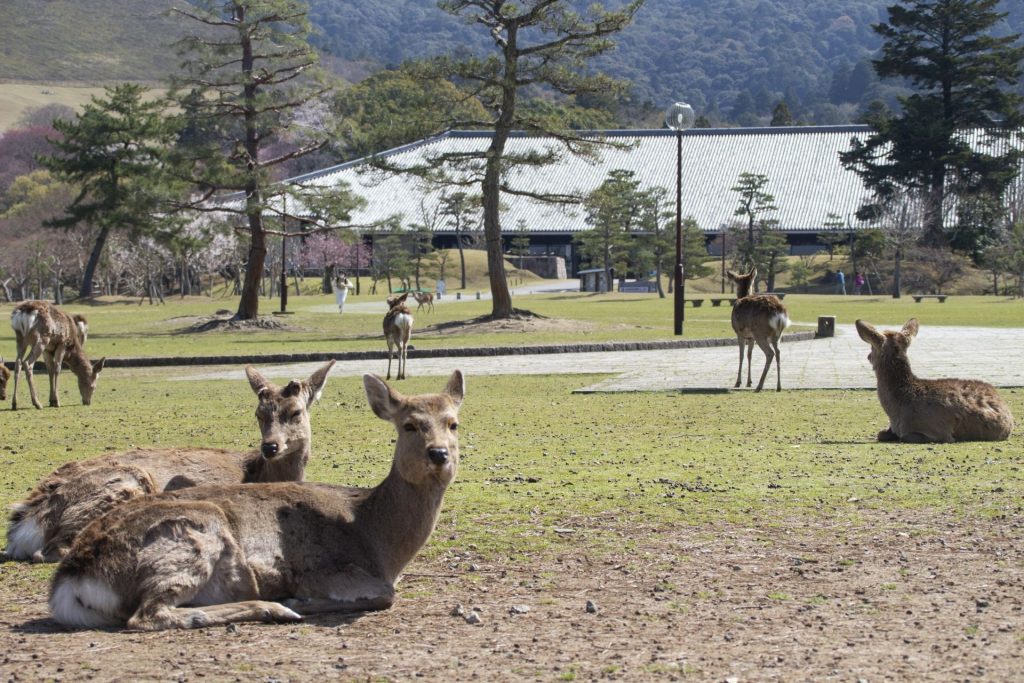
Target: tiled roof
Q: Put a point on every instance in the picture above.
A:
(802, 165)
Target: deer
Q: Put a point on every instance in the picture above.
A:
(5, 375)
(397, 331)
(760, 318)
(216, 555)
(42, 329)
(424, 299)
(930, 410)
(43, 526)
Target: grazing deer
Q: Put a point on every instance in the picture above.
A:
(923, 410)
(42, 329)
(397, 330)
(5, 375)
(424, 299)
(761, 318)
(267, 552)
(43, 526)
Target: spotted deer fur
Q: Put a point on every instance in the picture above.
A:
(924, 410)
(42, 329)
(760, 319)
(43, 526)
(214, 555)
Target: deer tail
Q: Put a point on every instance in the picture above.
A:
(779, 322)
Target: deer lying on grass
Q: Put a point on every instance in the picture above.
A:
(424, 299)
(215, 555)
(397, 330)
(761, 318)
(42, 329)
(924, 410)
(5, 375)
(43, 526)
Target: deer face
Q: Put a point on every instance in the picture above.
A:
(283, 413)
(428, 443)
(87, 381)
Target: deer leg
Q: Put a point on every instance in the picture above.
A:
(390, 353)
(750, 353)
(768, 355)
(17, 371)
(355, 590)
(27, 364)
(778, 365)
(53, 363)
(887, 435)
(739, 372)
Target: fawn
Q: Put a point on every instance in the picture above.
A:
(397, 331)
(761, 318)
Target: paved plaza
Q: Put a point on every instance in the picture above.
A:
(840, 362)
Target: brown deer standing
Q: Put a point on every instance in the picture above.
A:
(267, 552)
(397, 331)
(5, 375)
(43, 526)
(424, 299)
(924, 410)
(42, 329)
(761, 318)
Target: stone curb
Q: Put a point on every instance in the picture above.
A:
(459, 352)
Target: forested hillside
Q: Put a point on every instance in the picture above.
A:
(733, 59)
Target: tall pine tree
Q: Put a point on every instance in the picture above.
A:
(961, 73)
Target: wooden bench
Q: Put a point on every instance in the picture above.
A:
(718, 302)
(940, 297)
(697, 303)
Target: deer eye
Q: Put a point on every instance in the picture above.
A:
(453, 426)
(296, 415)
(409, 427)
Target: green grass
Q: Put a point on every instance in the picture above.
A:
(122, 328)
(537, 457)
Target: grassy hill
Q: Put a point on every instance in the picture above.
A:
(86, 41)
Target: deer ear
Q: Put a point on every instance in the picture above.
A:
(98, 365)
(910, 330)
(752, 274)
(731, 275)
(315, 384)
(257, 381)
(456, 387)
(384, 400)
(868, 333)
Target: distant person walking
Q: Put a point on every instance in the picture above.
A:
(858, 282)
(840, 283)
(341, 290)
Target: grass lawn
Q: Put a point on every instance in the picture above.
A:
(537, 457)
(121, 328)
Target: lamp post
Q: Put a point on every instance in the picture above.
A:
(679, 117)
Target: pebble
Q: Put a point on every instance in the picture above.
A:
(591, 607)
(474, 618)
(458, 611)
(518, 609)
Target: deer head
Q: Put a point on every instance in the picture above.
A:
(283, 412)
(427, 449)
(87, 379)
(396, 299)
(743, 282)
(887, 346)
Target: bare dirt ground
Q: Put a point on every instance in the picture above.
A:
(896, 596)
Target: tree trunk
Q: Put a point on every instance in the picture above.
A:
(93, 262)
(249, 304)
(896, 275)
(657, 278)
(462, 258)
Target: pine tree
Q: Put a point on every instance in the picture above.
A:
(961, 74)
(111, 153)
(248, 70)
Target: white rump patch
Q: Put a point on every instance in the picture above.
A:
(24, 538)
(403, 321)
(779, 322)
(22, 321)
(84, 603)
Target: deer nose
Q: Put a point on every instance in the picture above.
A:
(269, 449)
(438, 456)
